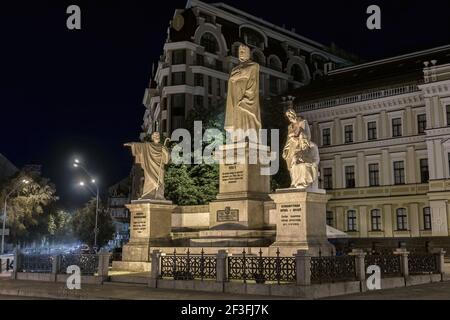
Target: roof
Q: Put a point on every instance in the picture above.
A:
(333, 233)
(389, 72)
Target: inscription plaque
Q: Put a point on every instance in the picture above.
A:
(140, 222)
(227, 215)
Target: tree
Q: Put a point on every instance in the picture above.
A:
(60, 226)
(83, 224)
(29, 206)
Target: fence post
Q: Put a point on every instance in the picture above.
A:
(103, 264)
(55, 266)
(403, 253)
(303, 268)
(359, 263)
(440, 260)
(155, 272)
(222, 266)
(17, 263)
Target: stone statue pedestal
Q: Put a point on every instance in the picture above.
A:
(150, 225)
(301, 222)
(239, 206)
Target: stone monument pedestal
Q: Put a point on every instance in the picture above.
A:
(301, 222)
(150, 225)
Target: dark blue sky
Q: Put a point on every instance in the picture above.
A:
(65, 93)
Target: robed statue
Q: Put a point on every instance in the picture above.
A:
(152, 157)
(301, 154)
(243, 109)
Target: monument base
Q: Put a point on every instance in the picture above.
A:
(150, 225)
(131, 266)
(233, 238)
(301, 222)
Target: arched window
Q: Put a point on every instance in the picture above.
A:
(209, 42)
(275, 63)
(297, 73)
(258, 57)
(351, 220)
(375, 217)
(252, 37)
(402, 219)
(427, 218)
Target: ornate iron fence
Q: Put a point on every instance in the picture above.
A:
(389, 264)
(88, 263)
(262, 269)
(39, 263)
(422, 264)
(188, 266)
(333, 269)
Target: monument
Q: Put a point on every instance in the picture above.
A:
(237, 215)
(150, 216)
(301, 209)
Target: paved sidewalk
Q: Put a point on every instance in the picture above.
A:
(108, 291)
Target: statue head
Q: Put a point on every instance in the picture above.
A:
(291, 115)
(156, 137)
(244, 53)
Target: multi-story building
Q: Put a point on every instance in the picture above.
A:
(383, 131)
(118, 196)
(201, 49)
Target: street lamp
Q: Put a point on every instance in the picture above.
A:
(20, 183)
(77, 164)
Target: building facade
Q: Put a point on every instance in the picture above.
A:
(201, 49)
(118, 196)
(383, 132)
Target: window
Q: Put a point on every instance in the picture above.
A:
(326, 137)
(177, 100)
(424, 174)
(397, 127)
(421, 123)
(273, 84)
(164, 125)
(350, 176)
(209, 85)
(274, 63)
(399, 172)
(375, 218)
(327, 178)
(178, 56)
(297, 73)
(330, 218)
(198, 101)
(371, 130)
(178, 78)
(200, 60)
(252, 37)
(198, 79)
(402, 219)
(209, 42)
(258, 57)
(427, 218)
(219, 65)
(165, 82)
(348, 134)
(447, 110)
(164, 104)
(219, 87)
(374, 175)
(351, 220)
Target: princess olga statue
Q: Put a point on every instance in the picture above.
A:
(301, 154)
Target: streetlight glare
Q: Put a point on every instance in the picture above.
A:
(81, 183)
(25, 181)
(77, 161)
(93, 180)
(75, 165)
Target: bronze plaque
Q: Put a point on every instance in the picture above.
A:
(227, 215)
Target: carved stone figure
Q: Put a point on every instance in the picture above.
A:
(243, 109)
(301, 154)
(152, 157)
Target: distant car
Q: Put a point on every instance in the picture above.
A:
(85, 249)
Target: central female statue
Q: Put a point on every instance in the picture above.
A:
(243, 110)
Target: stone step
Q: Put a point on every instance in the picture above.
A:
(129, 279)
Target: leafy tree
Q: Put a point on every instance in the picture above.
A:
(28, 206)
(60, 226)
(83, 224)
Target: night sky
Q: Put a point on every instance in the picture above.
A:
(79, 93)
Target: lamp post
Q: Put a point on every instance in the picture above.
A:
(77, 164)
(24, 181)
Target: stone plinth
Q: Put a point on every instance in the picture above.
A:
(242, 188)
(150, 225)
(301, 222)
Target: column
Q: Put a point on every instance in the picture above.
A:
(337, 132)
(338, 183)
(438, 112)
(439, 218)
(413, 214)
(384, 129)
(411, 165)
(429, 113)
(431, 157)
(359, 128)
(387, 220)
(340, 219)
(408, 122)
(363, 221)
(303, 267)
(221, 266)
(362, 172)
(385, 174)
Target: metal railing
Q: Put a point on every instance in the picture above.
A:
(188, 266)
(88, 263)
(333, 269)
(38, 263)
(422, 264)
(389, 264)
